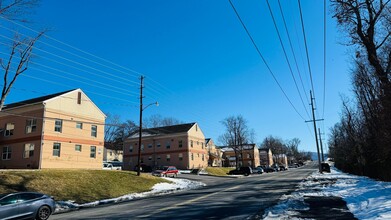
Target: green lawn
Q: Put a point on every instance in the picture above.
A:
(80, 186)
(218, 171)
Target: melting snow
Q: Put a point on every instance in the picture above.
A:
(157, 189)
(365, 197)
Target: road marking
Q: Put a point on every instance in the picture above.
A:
(187, 202)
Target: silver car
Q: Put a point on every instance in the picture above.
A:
(26, 205)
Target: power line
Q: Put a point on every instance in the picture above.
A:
(72, 61)
(324, 56)
(87, 53)
(306, 47)
(293, 51)
(286, 57)
(263, 59)
(64, 97)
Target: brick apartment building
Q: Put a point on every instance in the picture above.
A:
(62, 130)
(181, 145)
(248, 155)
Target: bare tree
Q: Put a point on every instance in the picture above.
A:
(157, 120)
(16, 10)
(360, 142)
(276, 145)
(21, 48)
(237, 134)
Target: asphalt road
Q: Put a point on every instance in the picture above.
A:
(222, 198)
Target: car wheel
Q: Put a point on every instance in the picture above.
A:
(43, 213)
(175, 175)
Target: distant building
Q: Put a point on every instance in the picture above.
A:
(112, 153)
(281, 159)
(266, 156)
(215, 154)
(181, 145)
(248, 155)
(62, 130)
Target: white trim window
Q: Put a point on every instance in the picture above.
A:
(28, 150)
(58, 125)
(9, 129)
(92, 152)
(79, 125)
(94, 131)
(31, 125)
(78, 147)
(56, 149)
(168, 157)
(6, 155)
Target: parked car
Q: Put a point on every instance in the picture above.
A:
(276, 167)
(258, 170)
(268, 169)
(26, 205)
(325, 167)
(108, 166)
(241, 171)
(166, 171)
(144, 168)
(283, 168)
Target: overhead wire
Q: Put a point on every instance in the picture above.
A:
(306, 47)
(286, 57)
(263, 59)
(64, 97)
(89, 54)
(79, 81)
(293, 51)
(324, 56)
(162, 90)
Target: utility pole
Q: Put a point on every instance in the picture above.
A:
(321, 145)
(316, 135)
(141, 126)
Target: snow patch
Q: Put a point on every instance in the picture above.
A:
(365, 198)
(158, 189)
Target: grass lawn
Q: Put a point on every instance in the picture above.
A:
(218, 171)
(80, 186)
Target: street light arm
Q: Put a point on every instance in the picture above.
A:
(154, 103)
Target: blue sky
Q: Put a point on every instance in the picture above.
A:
(199, 63)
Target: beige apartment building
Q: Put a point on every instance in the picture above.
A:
(248, 155)
(266, 156)
(181, 145)
(62, 130)
(215, 154)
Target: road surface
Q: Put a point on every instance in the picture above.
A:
(222, 198)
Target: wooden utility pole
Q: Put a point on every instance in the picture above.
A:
(316, 135)
(321, 145)
(140, 127)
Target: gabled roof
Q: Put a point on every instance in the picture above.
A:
(170, 129)
(173, 129)
(34, 100)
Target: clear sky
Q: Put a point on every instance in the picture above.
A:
(198, 61)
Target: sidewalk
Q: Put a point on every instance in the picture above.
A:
(321, 207)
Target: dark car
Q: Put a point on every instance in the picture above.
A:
(166, 171)
(144, 168)
(241, 171)
(268, 169)
(325, 167)
(283, 168)
(258, 170)
(26, 205)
